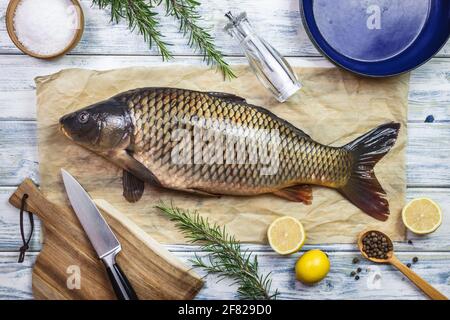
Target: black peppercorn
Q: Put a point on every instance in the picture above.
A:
(357, 278)
(376, 245)
(415, 259)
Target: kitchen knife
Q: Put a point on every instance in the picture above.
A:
(99, 233)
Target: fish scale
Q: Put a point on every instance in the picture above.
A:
(301, 160)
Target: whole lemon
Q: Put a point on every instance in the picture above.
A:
(312, 266)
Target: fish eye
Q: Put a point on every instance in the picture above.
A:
(83, 117)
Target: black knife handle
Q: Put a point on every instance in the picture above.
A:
(120, 283)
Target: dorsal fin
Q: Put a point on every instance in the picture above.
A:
(227, 96)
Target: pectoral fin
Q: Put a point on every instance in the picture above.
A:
(134, 174)
(133, 188)
(300, 193)
(123, 159)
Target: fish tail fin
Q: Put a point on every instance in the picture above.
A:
(363, 188)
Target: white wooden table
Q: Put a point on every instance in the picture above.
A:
(104, 47)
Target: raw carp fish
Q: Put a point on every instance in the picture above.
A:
(217, 144)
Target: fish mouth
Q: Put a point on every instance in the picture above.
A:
(64, 131)
(62, 128)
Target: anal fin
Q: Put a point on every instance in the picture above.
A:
(133, 188)
(299, 193)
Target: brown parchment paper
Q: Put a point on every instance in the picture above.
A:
(334, 107)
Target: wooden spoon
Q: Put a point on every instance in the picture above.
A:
(411, 275)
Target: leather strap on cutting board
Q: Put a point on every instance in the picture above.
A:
(152, 270)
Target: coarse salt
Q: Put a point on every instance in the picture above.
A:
(46, 27)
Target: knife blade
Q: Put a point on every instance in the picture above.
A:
(102, 238)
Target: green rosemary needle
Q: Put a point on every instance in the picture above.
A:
(141, 16)
(186, 13)
(225, 257)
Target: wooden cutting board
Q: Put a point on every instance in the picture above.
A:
(68, 268)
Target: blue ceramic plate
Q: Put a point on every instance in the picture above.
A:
(378, 37)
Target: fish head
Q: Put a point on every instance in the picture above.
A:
(99, 127)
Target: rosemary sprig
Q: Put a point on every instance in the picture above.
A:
(186, 12)
(140, 15)
(225, 257)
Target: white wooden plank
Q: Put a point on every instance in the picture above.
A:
(278, 21)
(19, 104)
(15, 279)
(430, 91)
(339, 284)
(437, 241)
(18, 158)
(428, 153)
(283, 21)
(17, 88)
(429, 88)
(18, 72)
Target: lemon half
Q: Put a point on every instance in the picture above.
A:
(422, 216)
(286, 235)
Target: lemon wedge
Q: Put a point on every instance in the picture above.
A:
(422, 216)
(286, 235)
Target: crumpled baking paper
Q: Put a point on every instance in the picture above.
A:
(333, 107)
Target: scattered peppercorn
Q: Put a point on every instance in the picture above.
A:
(408, 265)
(429, 119)
(410, 242)
(358, 270)
(415, 259)
(376, 245)
(357, 278)
(355, 260)
(353, 273)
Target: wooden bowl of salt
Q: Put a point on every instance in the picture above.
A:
(45, 29)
